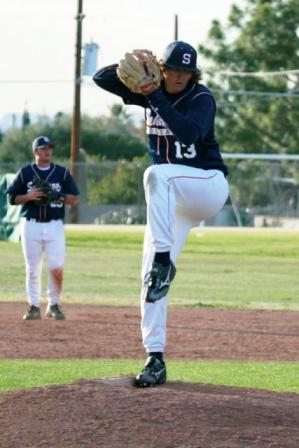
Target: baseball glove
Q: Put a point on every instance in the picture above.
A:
(49, 194)
(139, 69)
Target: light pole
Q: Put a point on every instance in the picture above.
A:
(75, 136)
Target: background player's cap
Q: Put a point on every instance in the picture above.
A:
(181, 55)
(41, 142)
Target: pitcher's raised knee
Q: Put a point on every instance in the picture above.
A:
(155, 175)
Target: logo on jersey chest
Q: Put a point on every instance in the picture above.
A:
(56, 186)
(155, 125)
(154, 120)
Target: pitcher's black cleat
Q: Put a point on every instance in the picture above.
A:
(153, 373)
(33, 313)
(158, 281)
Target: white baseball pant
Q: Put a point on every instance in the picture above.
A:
(178, 198)
(38, 238)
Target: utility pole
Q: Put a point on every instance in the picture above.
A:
(75, 137)
(176, 27)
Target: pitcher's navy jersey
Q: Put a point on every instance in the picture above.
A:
(180, 127)
(60, 180)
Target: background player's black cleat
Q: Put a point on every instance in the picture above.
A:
(153, 373)
(158, 281)
(33, 313)
(55, 312)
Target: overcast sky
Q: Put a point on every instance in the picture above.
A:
(38, 43)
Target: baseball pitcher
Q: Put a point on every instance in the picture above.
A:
(187, 181)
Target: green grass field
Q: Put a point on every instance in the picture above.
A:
(218, 268)
(275, 376)
(245, 269)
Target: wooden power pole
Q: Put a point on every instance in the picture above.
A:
(75, 137)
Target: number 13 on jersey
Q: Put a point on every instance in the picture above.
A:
(183, 151)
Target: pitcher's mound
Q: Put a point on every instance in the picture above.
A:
(110, 412)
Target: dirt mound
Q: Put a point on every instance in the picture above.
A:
(113, 413)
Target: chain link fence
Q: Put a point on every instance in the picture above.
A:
(264, 191)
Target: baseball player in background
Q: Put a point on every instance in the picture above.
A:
(43, 189)
(186, 183)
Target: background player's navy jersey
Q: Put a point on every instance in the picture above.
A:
(60, 180)
(180, 127)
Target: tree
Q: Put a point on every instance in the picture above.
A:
(262, 36)
(118, 183)
(110, 137)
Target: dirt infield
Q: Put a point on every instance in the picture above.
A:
(111, 332)
(113, 413)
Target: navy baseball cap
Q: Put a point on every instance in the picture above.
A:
(180, 55)
(41, 142)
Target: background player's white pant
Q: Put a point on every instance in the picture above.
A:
(178, 198)
(37, 238)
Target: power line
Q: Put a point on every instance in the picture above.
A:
(261, 74)
(87, 82)
(82, 80)
(258, 74)
(258, 93)
(34, 81)
(245, 101)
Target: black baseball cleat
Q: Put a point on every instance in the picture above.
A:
(158, 281)
(33, 313)
(55, 312)
(152, 374)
